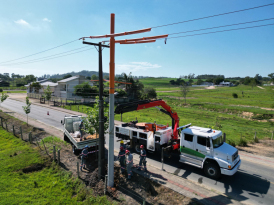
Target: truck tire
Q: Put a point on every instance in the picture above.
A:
(137, 148)
(66, 139)
(212, 170)
(74, 150)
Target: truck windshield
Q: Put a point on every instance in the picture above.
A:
(218, 142)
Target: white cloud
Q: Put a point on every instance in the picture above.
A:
(46, 20)
(136, 66)
(22, 22)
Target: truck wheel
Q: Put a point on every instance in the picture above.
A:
(137, 148)
(66, 139)
(212, 170)
(74, 150)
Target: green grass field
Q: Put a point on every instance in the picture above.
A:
(15, 91)
(205, 107)
(50, 185)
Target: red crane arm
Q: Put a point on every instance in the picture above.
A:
(170, 111)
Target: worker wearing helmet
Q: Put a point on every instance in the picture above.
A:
(122, 157)
(84, 157)
(143, 156)
(123, 145)
(129, 162)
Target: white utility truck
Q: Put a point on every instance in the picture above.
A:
(200, 147)
(72, 134)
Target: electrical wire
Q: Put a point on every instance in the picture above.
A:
(221, 31)
(206, 17)
(222, 26)
(49, 58)
(40, 52)
(44, 57)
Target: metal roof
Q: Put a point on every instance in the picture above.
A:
(68, 79)
(51, 84)
(201, 131)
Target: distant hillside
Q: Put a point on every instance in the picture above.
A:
(85, 73)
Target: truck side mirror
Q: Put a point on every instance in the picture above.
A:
(61, 121)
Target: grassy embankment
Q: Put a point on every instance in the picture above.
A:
(50, 185)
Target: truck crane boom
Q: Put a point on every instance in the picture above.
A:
(144, 104)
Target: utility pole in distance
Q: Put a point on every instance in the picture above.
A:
(101, 156)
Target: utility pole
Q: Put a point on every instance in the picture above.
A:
(101, 156)
(112, 41)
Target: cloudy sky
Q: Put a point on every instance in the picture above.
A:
(30, 27)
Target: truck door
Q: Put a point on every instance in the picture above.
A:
(187, 146)
(202, 147)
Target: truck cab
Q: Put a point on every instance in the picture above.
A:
(205, 148)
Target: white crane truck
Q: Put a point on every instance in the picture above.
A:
(70, 135)
(200, 147)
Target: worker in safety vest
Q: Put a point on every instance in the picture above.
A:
(129, 162)
(122, 158)
(143, 157)
(123, 145)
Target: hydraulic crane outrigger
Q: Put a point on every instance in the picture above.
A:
(144, 104)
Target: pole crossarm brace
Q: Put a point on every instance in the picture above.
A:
(95, 44)
(140, 39)
(134, 42)
(120, 34)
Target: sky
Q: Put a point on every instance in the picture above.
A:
(28, 27)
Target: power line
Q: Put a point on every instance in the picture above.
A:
(222, 26)
(39, 52)
(48, 58)
(221, 31)
(43, 57)
(231, 12)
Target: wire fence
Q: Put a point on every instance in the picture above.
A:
(54, 152)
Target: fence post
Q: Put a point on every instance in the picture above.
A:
(78, 174)
(30, 138)
(144, 201)
(106, 181)
(78, 108)
(70, 106)
(21, 133)
(58, 160)
(255, 136)
(1, 122)
(272, 135)
(162, 159)
(54, 153)
(6, 126)
(13, 131)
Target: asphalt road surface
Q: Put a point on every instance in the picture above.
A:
(252, 184)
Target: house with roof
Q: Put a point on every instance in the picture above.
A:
(227, 84)
(65, 87)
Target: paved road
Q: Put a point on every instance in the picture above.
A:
(253, 183)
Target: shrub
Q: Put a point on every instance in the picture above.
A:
(235, 95)
(231, 142)
(1, 90)
(242, 142)
(256, 140)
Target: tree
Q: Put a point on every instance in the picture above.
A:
(91, 122)
(184, 90)
(67, 76)
(271, 75)
(27, 108)
(94, 77)
(47, 93)
(149, 93)
(30, 78)
(88, 78)
(85, 90)
(4, 96)
(217, 81)
(253, 83)
(199, 82)
(36, 86)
